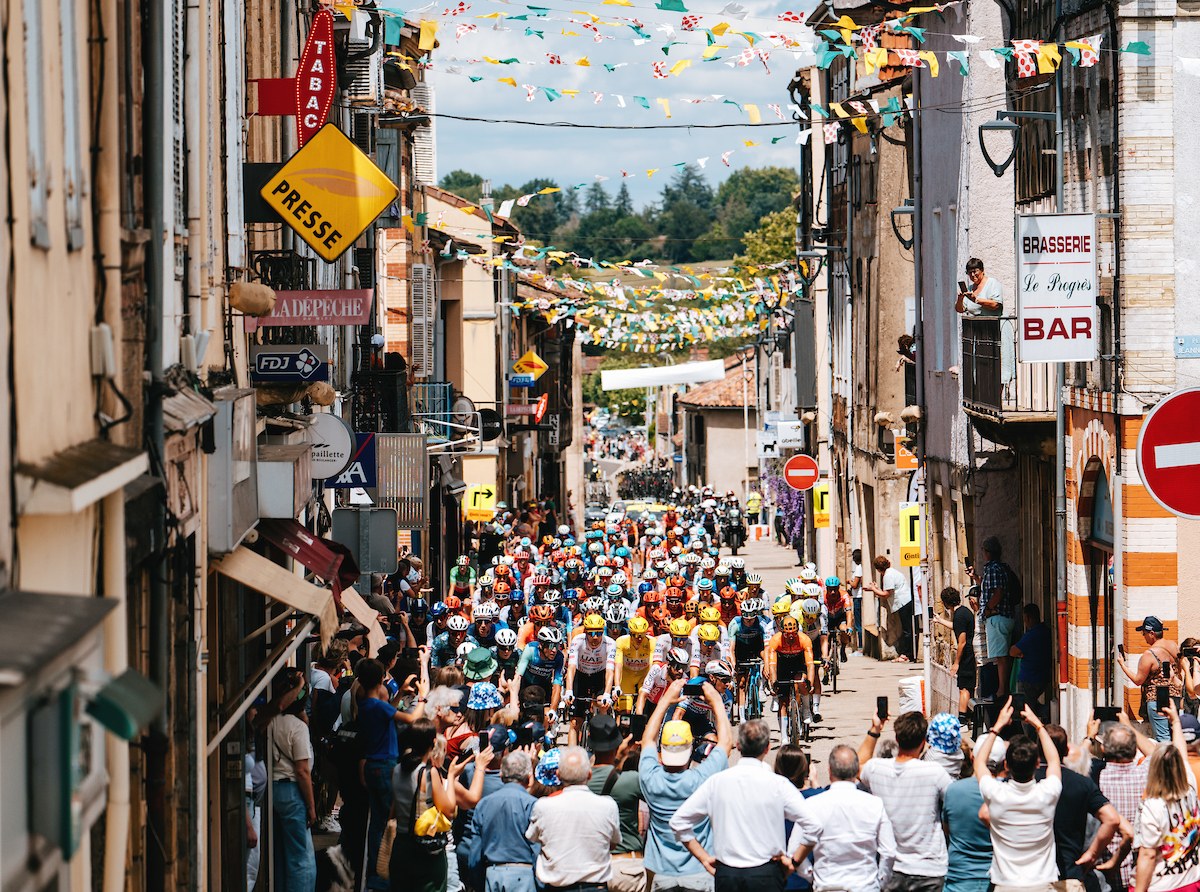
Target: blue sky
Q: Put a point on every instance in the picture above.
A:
(515, 154)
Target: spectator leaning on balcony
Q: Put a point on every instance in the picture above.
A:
(982, 297)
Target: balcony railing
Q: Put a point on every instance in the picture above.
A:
(994, 384)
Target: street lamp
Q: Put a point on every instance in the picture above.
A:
(812, 261)
(1005, 123)
(908, 209)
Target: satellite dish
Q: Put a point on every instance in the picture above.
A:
(462, 413)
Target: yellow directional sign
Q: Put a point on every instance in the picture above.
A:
(910, 534)
(329, 192)
(820, 506)
(530, 364)
(479, 502)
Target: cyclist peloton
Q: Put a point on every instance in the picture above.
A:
(812, 625)
(590, 666)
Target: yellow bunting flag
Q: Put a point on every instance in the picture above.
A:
(749, 143)
(845, 24)
(678, 67)
(428, 35)
(549, 190)
(584, 63)
(407, 222)
(570, 93)
(719, 28)
(753, 112)
(1048, 58)
(838, 110)
(651, 172)
(711, 51)
(876, 58)
(507, 80)
(666, 106)
(931, 60)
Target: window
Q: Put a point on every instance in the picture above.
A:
(35, 131)
(74, 182)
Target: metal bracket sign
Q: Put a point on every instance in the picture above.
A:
(362, 470)
(767, 444)
(290, 363)
(910, 534)
(820, 506)
(790, 434)
(370, 534)
(1057, 288)
(530, 364)
(480, 502)
(552, 435)
(347, 306)
(329, 192)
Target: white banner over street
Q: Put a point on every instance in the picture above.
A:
(1057, 288)
(658, 376)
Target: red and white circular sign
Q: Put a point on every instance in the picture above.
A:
(800, 472)
(1168, 453)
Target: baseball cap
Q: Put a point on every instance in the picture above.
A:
(676, 744)
(999, 749)
(1191, 727)
(1151, 624)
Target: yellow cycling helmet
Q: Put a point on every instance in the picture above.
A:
(638, 625)
(679, 628)
(708, 632)
(781, 607)
(710, 615)
(593, 622)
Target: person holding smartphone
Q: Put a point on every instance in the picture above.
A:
(1155, 668)
(982, 297)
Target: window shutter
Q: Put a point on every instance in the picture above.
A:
(364, 71)
(424, 139)
(424, 318)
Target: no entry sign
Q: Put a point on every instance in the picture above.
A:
(801, 472)
(1168, 453)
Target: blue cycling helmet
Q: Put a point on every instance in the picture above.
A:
(516, 595)
(614, 591)
(438, 609)
(622, 552)
(832, 582)
(704, 583)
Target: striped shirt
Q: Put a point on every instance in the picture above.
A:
(912, 795)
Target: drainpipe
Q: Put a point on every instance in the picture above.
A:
(919, 337)
(1060, 417)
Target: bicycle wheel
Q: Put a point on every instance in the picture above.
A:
(793, 711)
(753, 697)
(834, 671)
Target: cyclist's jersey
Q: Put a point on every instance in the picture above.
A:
(791, 658)
(488, 640)
(656, 682)
(729, 610)
(633, 655)
(663, 643)
(444, 650)
(462, 579)
(835, 603)
(748, 638)
(701, 658)
(590, 659)
(817, 625)
(511, 621)
(536, 669)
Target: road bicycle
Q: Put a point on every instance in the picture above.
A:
(751, 671)
(799, 723)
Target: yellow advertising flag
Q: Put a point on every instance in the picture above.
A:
(429, 31)
(820, 495)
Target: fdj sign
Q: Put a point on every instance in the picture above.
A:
(329, 192)
(295, 364)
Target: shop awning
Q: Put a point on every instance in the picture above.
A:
(368, 616)
(255, 571)
(76, 478)
(321, 557)
(38, 628)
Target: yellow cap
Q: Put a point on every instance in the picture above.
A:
(676, 748)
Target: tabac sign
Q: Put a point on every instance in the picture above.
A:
(329, 192)
(309, 94)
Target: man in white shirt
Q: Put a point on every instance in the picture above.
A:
(856, 592)
(1020, 813)
(576, 830)
(911, 790)
(894, 593)
(853, 846)
(747, 805)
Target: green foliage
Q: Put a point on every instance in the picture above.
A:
(774, 241)
(464, 184)
(752, 193)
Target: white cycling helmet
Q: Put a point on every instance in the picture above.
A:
(457, 623)
(549, 635)
(807, 574)
(506, 638)
(486, 610)
(707, 564)
(464, 649)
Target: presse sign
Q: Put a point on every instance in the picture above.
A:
(1057, 288)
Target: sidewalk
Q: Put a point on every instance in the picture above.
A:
(846, 715)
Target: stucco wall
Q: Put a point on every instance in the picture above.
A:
(725, 447)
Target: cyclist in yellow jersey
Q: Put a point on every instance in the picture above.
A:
(634, 653)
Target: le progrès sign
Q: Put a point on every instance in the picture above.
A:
(1057, 288)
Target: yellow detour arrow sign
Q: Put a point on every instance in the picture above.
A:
(479, 503)
(329, 192)
(910, 534)
(820, 505)
(530, 364)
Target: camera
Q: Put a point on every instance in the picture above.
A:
(1189, 652)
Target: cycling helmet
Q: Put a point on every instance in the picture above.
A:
(503, 570)
(502, 588)
(650, 574)
(753, 579)
(486, 610)
(704, 584)
(570, 594)
(516, 595)
(718, 669)
(638, 625)
(438, 609)
(593, 622)
(782, 607)
(736, 563)
(595, 548)
(677, 581)
(551, 597)
(487, 580)
(679, 628)
(594, 604)
(506, 638)
(708, 632)
(678, 657)
(792, 586)
(563, 529)
(813, 590)
(689, 609)
(463, 561)
(453, 602)
(619, 578)
(807, 574)
(420, 607)
(457, 623)
(710, 615)
(616, 614)
(549, 635)
(541, 613)
(811, 607)
(614, 591)
(605, 572)
(722, 570)
(464, 649)
(789, 625)
(707, 563)
(751, 607)
(654, 596)
(622, 551)
(729, 593)
(832, 582)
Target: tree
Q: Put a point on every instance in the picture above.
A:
(464, 184)
(596, 199)
(544, 214)
(749, 195)
(687, 213)
(624, 203)
(774, 241)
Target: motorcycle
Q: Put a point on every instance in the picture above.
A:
(733, 529)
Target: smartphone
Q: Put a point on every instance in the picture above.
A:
(1162, 697)
(1167, 669)
(1121, 650)
(1018, 704)
(694, 687)
(1106, 713)
(484, 740)
(881, 707)
(637, 726)
(962, 287)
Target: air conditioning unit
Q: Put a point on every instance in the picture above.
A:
(284, 480)
(232, 470)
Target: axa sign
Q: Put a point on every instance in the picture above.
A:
(1057, 288)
